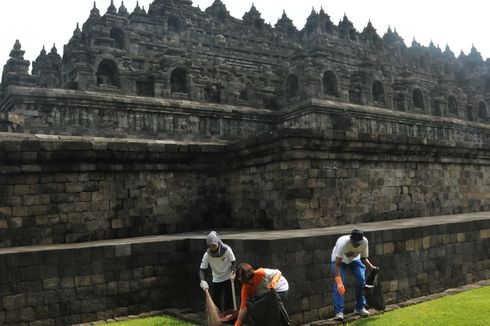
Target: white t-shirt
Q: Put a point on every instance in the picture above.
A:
(220, 266)
(344, 248)
(282, 284)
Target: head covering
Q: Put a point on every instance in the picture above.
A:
(213, 238)
(356, 236)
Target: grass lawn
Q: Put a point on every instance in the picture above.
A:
(153, 321)
(471, 308)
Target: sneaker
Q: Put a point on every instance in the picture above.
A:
(362, 312)
(339, 316)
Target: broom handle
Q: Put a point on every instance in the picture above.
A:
(233, 293)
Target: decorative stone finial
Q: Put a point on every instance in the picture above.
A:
(122, 10)
(415, 43)
(137, 9)
(112, 9)
(346, 21)
(369, 29)
(77, 33)
(253, 17)
(94, 13)
(16, 52)
(285, 25)
(16, 71)
(448, 52)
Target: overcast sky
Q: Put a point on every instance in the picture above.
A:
(454, 22)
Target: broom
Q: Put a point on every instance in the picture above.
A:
(213, 314)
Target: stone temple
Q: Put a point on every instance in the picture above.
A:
(172, 120)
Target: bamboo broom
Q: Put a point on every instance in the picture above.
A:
(213, 314)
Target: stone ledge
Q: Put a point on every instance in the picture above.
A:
(130, 102)
(447, 221)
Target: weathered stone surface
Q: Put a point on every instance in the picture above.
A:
(159, 123)
(161, 271)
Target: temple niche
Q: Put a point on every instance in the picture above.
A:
(330, 84)
(176, 50)
(107, 74)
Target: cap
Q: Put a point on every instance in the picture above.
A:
(356, 235)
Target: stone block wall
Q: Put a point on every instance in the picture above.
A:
(84, 189)
(414, 261)
(73, 283)
(71, 189)
(302, 179)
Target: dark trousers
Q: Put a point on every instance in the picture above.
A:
(283, 295)
(222, 295)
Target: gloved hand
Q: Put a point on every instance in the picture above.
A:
(204, 285)
(340, 285)
(232, 276)
(237, 323)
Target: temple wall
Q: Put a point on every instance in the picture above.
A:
(70, 285)
(57, 189)
(65, 112)
(183, 120)
(83, 189)
(304, 179)
(73, 283)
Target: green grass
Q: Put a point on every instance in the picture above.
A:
(153, 321)
(471, 308)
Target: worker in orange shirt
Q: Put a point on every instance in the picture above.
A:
(257, 283)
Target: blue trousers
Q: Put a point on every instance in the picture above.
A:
(357, 269)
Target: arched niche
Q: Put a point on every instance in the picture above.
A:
(222, 16)
(174, 24)
(418, 99)
(330, 84)
(378, 93)
(469, 113)
(292, 87)
(178, 81)
(108, 73)
(482, 112)
(117, 35)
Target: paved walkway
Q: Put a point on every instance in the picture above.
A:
(266, 235)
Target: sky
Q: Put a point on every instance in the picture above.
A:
(460, 24)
